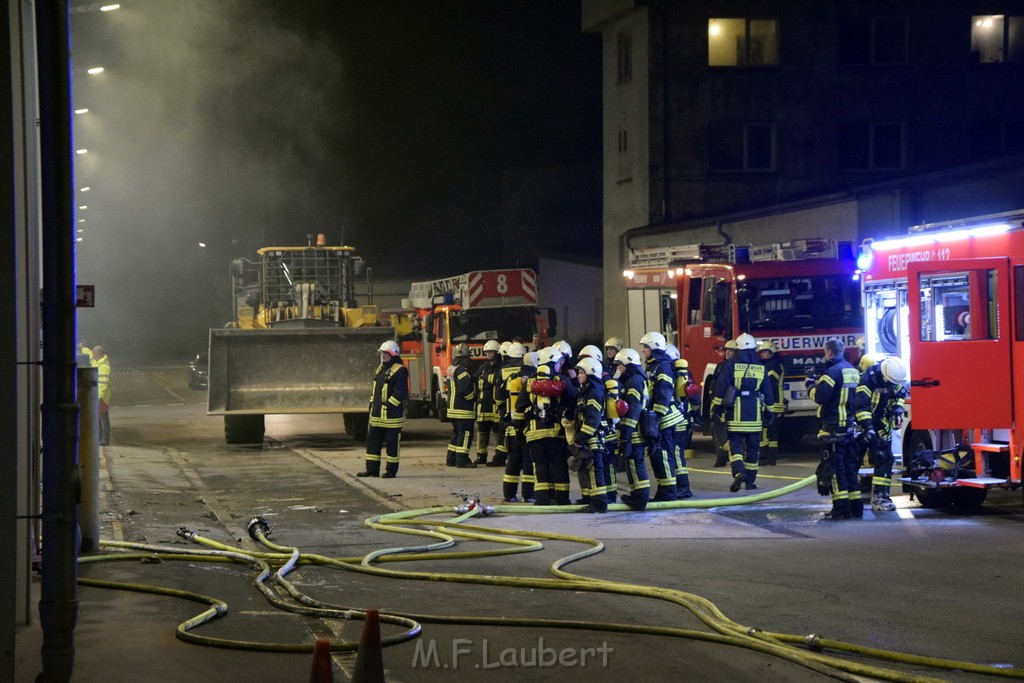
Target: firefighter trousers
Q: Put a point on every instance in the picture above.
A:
(663, 464)
(483, 437)
(592, 478)
(770, 441)
(458, 447)
(388, 439)
(680, 442)
(611, 468)
(632, 459)
(744, 452)
(519, 466)
(551, 468)
(846, 459)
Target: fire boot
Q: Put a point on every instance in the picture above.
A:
(499, 460)
(840, 510)
(481, 459)
(857, 507)
(372, 469)
(880, 500)
(738, 480)
(462, 461)
(450, 459)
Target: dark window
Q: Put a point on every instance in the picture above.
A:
(997, 38)
(870, 146)
(625, 57)
(874, 40)
(693, 314)
(742, 147)
(993, 138)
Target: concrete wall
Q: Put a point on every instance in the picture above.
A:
(573, 290)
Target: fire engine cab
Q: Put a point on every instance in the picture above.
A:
(472, 309)
(948, 298)
(797, 294)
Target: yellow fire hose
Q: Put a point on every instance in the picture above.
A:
(807, 651)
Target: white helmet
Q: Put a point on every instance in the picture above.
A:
(745, 341)
(591, 367)
(628, 357)
(767, 345)
(515, 350)
(563, 348)
(548, 354)
(492, 345)
(591, 351)
(390, 346)
(654, 340)
(613, 343)
(532, 359)
(503, 351)
(894, 370)
(672, 352)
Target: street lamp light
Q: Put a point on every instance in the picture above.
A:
(94, 70)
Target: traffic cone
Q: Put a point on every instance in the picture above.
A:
(369, 667)
(322, 671)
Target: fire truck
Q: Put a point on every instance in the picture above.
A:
(797, 294)
(948, 298)
(472, 309)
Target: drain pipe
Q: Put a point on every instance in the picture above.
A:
(58, 604)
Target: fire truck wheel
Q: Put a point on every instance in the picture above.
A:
(968, 498)
(442, 409)
(356, 425)
(934, 498)
(920, 440)
(412, 409)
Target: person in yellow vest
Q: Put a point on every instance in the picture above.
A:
(387, 412)
(101, 362)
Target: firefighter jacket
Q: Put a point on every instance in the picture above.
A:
(102, 366)
(461, 393)
(515, 389)
(545, 413)
(776, 373)
(487, 378)
(510, 370)
(634, 392)
(879, 403)
(390, 389)
(590, 415)
(835, 393)
(661, 382)
(746, 375)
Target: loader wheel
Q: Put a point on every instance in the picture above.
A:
(356, 425)
(243, 429)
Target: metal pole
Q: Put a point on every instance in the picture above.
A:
(58, 605)
(89, 459)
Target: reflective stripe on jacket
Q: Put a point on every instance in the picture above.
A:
(390, 389)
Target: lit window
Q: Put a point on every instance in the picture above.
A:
(997, 38)
(743, 42)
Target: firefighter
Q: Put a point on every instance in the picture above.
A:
(661, 384)
(387, 412)
(588, 430)
(881, 395)
(611, 419)
(545, 400)
(835, 393)
(684, 430)
(508, 367)
(719, 434)
(487, 377)
(738, 393)
(768, 351)
(612, 346)
(633, 383)
(520, 454)
(101, 362)
(461, 408)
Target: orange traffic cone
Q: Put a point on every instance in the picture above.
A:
(322, 671)
(369, 667)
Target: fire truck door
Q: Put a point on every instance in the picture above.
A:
(960, 343)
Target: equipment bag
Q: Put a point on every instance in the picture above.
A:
(649, 425)
(824, 473)
(729, 397)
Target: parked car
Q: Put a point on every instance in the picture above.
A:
(199, 371)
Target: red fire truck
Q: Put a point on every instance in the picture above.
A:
(797, 294)
(472, 308)
(962, 335)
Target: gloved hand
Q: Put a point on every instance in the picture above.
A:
(574, 463)
(810, 382)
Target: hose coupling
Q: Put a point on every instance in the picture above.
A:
(813, 642)
(258, 527)
(754, 631)
(186, 533)
(470, 505)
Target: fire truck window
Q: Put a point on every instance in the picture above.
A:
(949, 314)
(693, 305)
(709, 298)
(722, 310)
(1018, 297)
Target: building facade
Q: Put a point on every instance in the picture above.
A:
(760, 122)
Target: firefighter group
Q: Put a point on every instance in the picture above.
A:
(611, 411)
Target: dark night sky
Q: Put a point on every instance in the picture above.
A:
(243, 124)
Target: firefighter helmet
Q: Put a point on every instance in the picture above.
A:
(767, 345)
(591, 367)
(390, 346)
(628, 357)
(654, 340)
(492, 345)
(731, 344)
(613, 343)
(532, 359)
(894, 370)
(591, 351)
(563, 347)
(868, 361)
(860, 343)
(549, 354)
(745, 341)
(461, 351)
(672, 352)
(515, 350)
(503, 350)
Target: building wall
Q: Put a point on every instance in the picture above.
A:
(573, 290)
